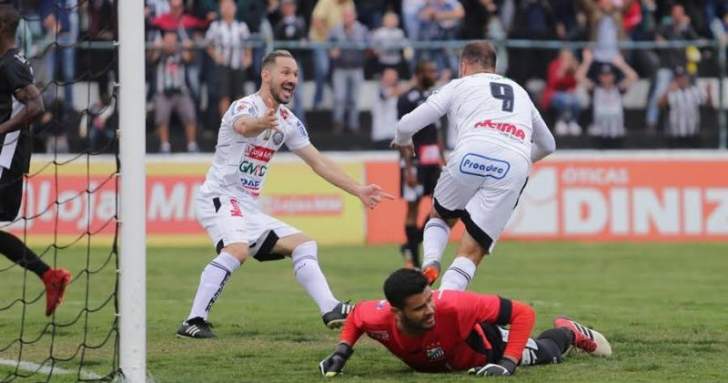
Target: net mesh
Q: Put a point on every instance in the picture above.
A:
(70, 206)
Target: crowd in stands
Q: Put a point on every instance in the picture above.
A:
(203, 53)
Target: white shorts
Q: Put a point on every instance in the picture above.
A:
(481, 185)
(229, 219)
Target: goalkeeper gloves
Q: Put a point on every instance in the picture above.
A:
(505, 367)
(334, 363)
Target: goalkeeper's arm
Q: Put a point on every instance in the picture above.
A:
(350, 334)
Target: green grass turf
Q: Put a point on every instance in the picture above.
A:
(664, 307)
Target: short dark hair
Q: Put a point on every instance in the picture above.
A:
(271, 57)
(9, 19)
(402, 284)
(480, 52)
(421, 65)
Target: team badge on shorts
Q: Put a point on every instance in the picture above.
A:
(482, 166)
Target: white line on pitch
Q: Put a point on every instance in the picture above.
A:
(30, 366)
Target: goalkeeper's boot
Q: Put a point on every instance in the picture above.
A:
(431, 271)
(337, 316)
(196, 328)
(584, 338)
(55, 281)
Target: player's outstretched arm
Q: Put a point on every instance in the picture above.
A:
(252, 126)
(413, 122)
(370, 195)
(31, 98)
(334, 364)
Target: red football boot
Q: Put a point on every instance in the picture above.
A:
(585, 339)
(55, 281)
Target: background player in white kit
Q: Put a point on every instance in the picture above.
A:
(252, 130)
(499, 135)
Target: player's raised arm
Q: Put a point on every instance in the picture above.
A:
(543, 141)
(370, 195)
(428, 113)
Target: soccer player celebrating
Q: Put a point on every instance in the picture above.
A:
(421, 169)
(252, 130)
(500, 133)
(20, 104)
(446, 330)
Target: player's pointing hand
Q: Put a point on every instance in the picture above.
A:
(269, 120)
(371, 195)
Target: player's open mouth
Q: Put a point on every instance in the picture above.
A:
(287, 90)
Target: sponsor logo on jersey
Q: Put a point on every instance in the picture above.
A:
(435, 353)
(381, 336)
(284, 113)
(504, 127)
(477, 165)
(249, 167)
(259, 153)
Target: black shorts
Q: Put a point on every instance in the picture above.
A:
(11, 194)
(230, 82)
(427, 177)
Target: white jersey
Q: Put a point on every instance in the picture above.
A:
(240, 165)
(487, 107)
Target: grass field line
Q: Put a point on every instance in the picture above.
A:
(42, 369)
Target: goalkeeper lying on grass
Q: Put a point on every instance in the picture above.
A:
(449, 330)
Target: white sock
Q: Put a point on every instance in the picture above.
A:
(434, 240)
(458, 275)
(309, 275)
(212, 281)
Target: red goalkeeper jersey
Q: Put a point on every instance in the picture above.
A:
(458, 317)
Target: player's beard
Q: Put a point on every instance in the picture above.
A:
(415, 326)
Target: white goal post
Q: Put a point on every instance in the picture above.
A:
(132, 148)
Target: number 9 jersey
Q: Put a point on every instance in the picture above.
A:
(489, 107)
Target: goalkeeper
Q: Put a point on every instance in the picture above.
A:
(448, 330)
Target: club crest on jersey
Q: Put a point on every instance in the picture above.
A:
(435, 353)
(277, 137)
(482, 166)
(504, 127)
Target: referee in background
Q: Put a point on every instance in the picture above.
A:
(20, 104)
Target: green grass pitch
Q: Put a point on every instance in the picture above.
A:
(664, 307)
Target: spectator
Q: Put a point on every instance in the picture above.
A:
(534, 19)
(225, 39)
(684, 99)
(326, 15)
(561, 95)
(605, 21)
(477, 17)
(608, 118)
(173, 93)
(152, 10)
(678, 28)
(411, 17)
(386, 37)
(293, 28)
(440, 21)
(371, 12)
(100, 63)
(60, 20)
(384, 109)
(178, 20)
(348, 70)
